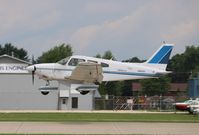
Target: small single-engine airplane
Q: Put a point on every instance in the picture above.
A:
(89, 72)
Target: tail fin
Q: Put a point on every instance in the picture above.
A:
(161, 57)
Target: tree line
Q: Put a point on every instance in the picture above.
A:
(183, 66)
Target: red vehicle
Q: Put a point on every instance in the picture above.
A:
(183, 106)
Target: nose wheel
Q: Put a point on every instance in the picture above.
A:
(44, 92)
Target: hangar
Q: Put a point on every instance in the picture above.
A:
(18, 93)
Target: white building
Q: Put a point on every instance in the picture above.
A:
(18, 93)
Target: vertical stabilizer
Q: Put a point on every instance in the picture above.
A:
(161, 57)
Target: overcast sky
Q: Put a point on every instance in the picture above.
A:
(126, 27)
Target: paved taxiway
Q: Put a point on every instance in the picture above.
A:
(99, 128)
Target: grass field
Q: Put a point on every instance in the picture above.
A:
(99, 117)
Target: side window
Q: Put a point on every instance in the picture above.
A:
(63, 61)
(75, 62)
(104, 65)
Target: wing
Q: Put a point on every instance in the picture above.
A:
(87, 72)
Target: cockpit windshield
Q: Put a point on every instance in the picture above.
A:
(63, 61)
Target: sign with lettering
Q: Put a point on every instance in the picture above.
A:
(13, 68)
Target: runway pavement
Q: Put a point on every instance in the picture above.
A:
(99, 128)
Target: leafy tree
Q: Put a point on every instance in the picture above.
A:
(112, 88)
(176, 65)
(184, 64)
(134, 59)
(119, 88)
(98, 56)
(11, 50)
(102, 88)
(55, 54)
(157, 86)
(108, 55)
(127, 88)
(191, 58)
(195, 72)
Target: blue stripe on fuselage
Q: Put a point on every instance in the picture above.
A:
(131, 73)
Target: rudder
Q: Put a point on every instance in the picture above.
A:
(161, 57)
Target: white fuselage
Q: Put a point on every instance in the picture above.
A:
(88, 72)
(112, 70)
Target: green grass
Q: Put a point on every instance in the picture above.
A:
(98, 117)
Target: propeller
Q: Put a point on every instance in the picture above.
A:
(32, 69)
(33, 74)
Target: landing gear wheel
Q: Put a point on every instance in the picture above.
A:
(44, 92)
(84, 92)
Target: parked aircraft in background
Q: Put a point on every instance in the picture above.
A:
(183, 106)
(89, 72)
(192, 106)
